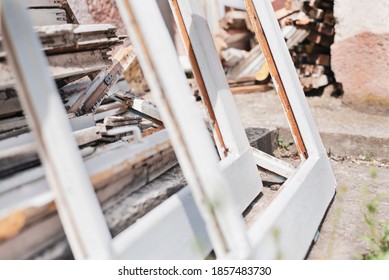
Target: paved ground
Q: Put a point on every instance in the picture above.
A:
(342, 231)
(344, 131)
(359, 145)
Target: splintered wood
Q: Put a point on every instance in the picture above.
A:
(100, 86)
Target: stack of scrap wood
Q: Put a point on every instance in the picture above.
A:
(242, 56)
(119, 134)
(240, 53)
(312, 57)
(72, 51)
(308, 31)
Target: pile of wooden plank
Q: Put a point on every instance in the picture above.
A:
(72, 51)
(308, 31)
(120, 135)
(312, 57)
(242, 56)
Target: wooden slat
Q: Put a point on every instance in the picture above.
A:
(48, 16)
(9, 106)
(62, 66)
(46, 3)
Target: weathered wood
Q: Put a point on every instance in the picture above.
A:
(110, 109)
(251, 64)
(72, 50)
(144, 108)
(313, 76)
(12, 124)
(46, 3)
(100, 86)
(9, 107)
(313, 12)
(75, 38)
(24, 246)
(48, 16)
(116, 172)
(250, 89)
(53, 4)
(119, 215)
(63, 66)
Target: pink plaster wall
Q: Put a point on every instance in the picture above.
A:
(360, 54)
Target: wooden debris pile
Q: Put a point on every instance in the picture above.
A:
(120, 135)
(72, 50)
(312, 57)
(308, 32)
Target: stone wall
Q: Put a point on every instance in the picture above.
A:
(360, 54)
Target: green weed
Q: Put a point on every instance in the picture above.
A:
(378, 235)
(284, 145)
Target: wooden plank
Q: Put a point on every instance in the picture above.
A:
(106, 166)
(273, 164)
(115, 173)
(23, 247)
(63, 65)
(250, 89)
(12, 123)
(46, 3)
(251, 64)
(76, 123)
(313, 12)
(58, 39)
(48, 16)
(100, 86)
(10, 106)
(137, 105)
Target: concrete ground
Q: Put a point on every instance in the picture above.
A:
(358, 144)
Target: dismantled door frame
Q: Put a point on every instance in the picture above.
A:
(207, 176)
(288, 226)
(230, 137)
(214, 89)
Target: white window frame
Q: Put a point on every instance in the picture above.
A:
(190, 223)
